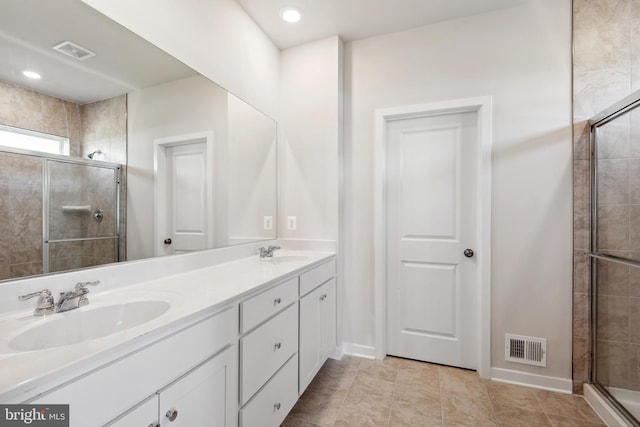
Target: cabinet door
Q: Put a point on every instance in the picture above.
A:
(328, 319)
(143, 415)
(206, 396)
(310, 338)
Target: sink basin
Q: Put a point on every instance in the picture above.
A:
(286, 258)
(87, 323)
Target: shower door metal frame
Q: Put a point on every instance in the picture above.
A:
(117, 168)
(616, 110)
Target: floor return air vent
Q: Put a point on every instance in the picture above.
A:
(527, 350)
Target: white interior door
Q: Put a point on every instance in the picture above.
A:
(431, 211)
(186, 198)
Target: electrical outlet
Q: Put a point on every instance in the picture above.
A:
(292, 223)
(268, 222)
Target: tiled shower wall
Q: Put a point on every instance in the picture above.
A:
(101, 125)
(606, 68)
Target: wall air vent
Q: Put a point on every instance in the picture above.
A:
(527, 350)
(73, 50)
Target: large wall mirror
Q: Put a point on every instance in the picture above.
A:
(112, 150)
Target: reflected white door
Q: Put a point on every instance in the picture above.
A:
(186, 198)
(431, 220)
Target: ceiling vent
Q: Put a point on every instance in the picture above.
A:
(73, 50)
(527, 350)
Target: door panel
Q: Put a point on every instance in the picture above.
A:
(429, 299)
(431, 205)
(186, 197)
(429, 158)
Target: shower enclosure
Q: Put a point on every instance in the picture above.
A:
(615, 256)
(80, 214)
(57, 213)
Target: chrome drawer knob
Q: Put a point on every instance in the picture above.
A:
(172, 414)
(468, 253)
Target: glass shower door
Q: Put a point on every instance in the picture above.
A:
(82, 224)
(615, 255)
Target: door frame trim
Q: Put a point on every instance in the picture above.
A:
(483, 106)
(160, 146)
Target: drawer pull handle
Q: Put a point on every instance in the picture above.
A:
(277, 345)
(277, 406)
(323, 297)
(277, 301)
(172, 414)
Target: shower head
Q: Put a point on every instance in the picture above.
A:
(90, 155)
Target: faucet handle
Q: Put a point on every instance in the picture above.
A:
(81, 289)
(82, 286)
(42, 294)
(45, 304)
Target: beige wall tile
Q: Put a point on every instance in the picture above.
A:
(613, 318)
(613, 182)
(593, 91)
(581, 312)
(613, 278)
(613, 228)
(581, 272)
(612, 363)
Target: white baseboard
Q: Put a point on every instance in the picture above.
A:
(542, 382)
(602, 407)
(358, 350)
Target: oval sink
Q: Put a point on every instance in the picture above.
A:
(87, 324)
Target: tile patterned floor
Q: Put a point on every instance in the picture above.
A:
(357, 392)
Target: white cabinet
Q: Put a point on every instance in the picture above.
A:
(328, 319)
(105, 393)
(270, 406)
(145, 414)
(201, 397)
(268, 355)
(317, 320)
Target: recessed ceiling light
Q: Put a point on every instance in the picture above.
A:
(291, 15)
(32, 74)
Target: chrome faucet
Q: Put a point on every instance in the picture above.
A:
(268, 252)
(69, 300)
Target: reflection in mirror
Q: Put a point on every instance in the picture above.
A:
(162, 152)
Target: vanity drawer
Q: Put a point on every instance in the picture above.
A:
(271, 405)
(259, 308)
(266, 349)
(316, 277)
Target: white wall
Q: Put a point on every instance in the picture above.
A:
(310, 133)
(216, 38)
(252, 167)
(522, 57)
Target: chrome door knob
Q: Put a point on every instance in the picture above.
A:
(468, 253)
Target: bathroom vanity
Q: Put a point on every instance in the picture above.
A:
(227, 345)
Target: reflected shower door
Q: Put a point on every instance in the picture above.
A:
(81, 215)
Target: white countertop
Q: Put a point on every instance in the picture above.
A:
(192, 296)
